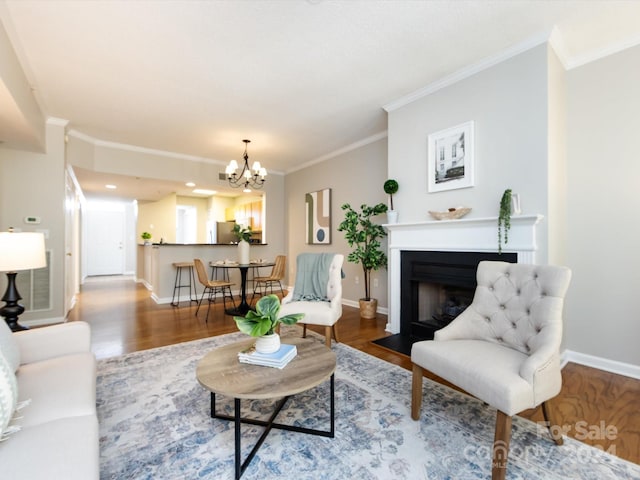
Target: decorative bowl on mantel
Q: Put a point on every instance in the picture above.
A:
(451, 214)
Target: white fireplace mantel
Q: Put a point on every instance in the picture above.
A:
(464, 235)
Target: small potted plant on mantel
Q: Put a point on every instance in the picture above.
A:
(391, 188)
(365, 235)
(263, 323)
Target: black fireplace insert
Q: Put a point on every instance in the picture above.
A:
(435, 287)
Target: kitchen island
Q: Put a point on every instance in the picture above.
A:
(156, 271)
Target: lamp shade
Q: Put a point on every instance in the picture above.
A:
(21, 251)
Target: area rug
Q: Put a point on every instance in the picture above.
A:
(155, 424)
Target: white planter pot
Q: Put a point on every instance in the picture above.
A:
(268, 343)
(392, 216)
(243, 252)
(515, 204)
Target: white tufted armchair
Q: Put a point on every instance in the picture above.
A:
(325, 313)
(504, 348)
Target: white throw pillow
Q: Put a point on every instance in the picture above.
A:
(8, 395)
(9, 346)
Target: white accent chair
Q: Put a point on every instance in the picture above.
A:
(504, 348)
(322, 313)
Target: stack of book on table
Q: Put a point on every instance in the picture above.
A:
(277, 359)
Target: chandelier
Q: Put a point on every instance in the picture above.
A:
(248, 177)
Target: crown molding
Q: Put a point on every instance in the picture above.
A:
(150, 151)
(469, 71)
(134, 148)
(81, 136)
(603, 52)
(341, 151)
(59, 122)
(557, 43)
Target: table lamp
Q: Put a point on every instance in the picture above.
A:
(18, 251)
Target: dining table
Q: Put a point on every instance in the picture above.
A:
(243, 307)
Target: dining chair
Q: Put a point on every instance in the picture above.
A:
(504, 348)
(212, 288)
(317, 292)
(275, 277)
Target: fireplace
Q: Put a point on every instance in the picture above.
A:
(466, 237)
(436, 286)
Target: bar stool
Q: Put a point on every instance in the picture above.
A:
(178, 282)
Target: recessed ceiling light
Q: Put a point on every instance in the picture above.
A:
(190, 184)
(203, 191)
(111, 187)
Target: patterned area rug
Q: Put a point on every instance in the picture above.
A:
(155, 424)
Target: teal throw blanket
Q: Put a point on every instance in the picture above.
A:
(312, 277)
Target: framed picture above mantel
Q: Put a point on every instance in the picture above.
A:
(450, 162)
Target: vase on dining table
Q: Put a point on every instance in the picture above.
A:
(243, 252)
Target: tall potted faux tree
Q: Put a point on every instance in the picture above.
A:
(365, 235)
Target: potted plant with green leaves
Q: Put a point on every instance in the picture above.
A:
(146, 236)
(243, 234)
(263, 323)
(504, 219)
(391, 188)
(360, 231)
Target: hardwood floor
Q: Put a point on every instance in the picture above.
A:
(596, 407)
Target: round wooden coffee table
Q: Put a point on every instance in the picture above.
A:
(221, 372)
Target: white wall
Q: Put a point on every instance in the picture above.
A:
(603, 205)
(508, 104)
(33, 184)
(138, 162)
(557, 161)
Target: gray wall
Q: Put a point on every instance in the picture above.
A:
(508, 104)
(355, 177)
(603, 206)
(565, 141)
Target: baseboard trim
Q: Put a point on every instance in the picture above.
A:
(355, 304)
(611, 366)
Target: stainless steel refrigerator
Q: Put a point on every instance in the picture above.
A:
(224, 232)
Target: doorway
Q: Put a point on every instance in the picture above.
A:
(186, 224)
(104, 227)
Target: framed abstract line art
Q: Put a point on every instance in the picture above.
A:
(450, 158)
(318, 213)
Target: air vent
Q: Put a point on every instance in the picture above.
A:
(222, 176)
(35, 287)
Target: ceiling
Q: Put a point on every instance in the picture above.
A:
(301, 79)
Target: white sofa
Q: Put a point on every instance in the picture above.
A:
(57, 430)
